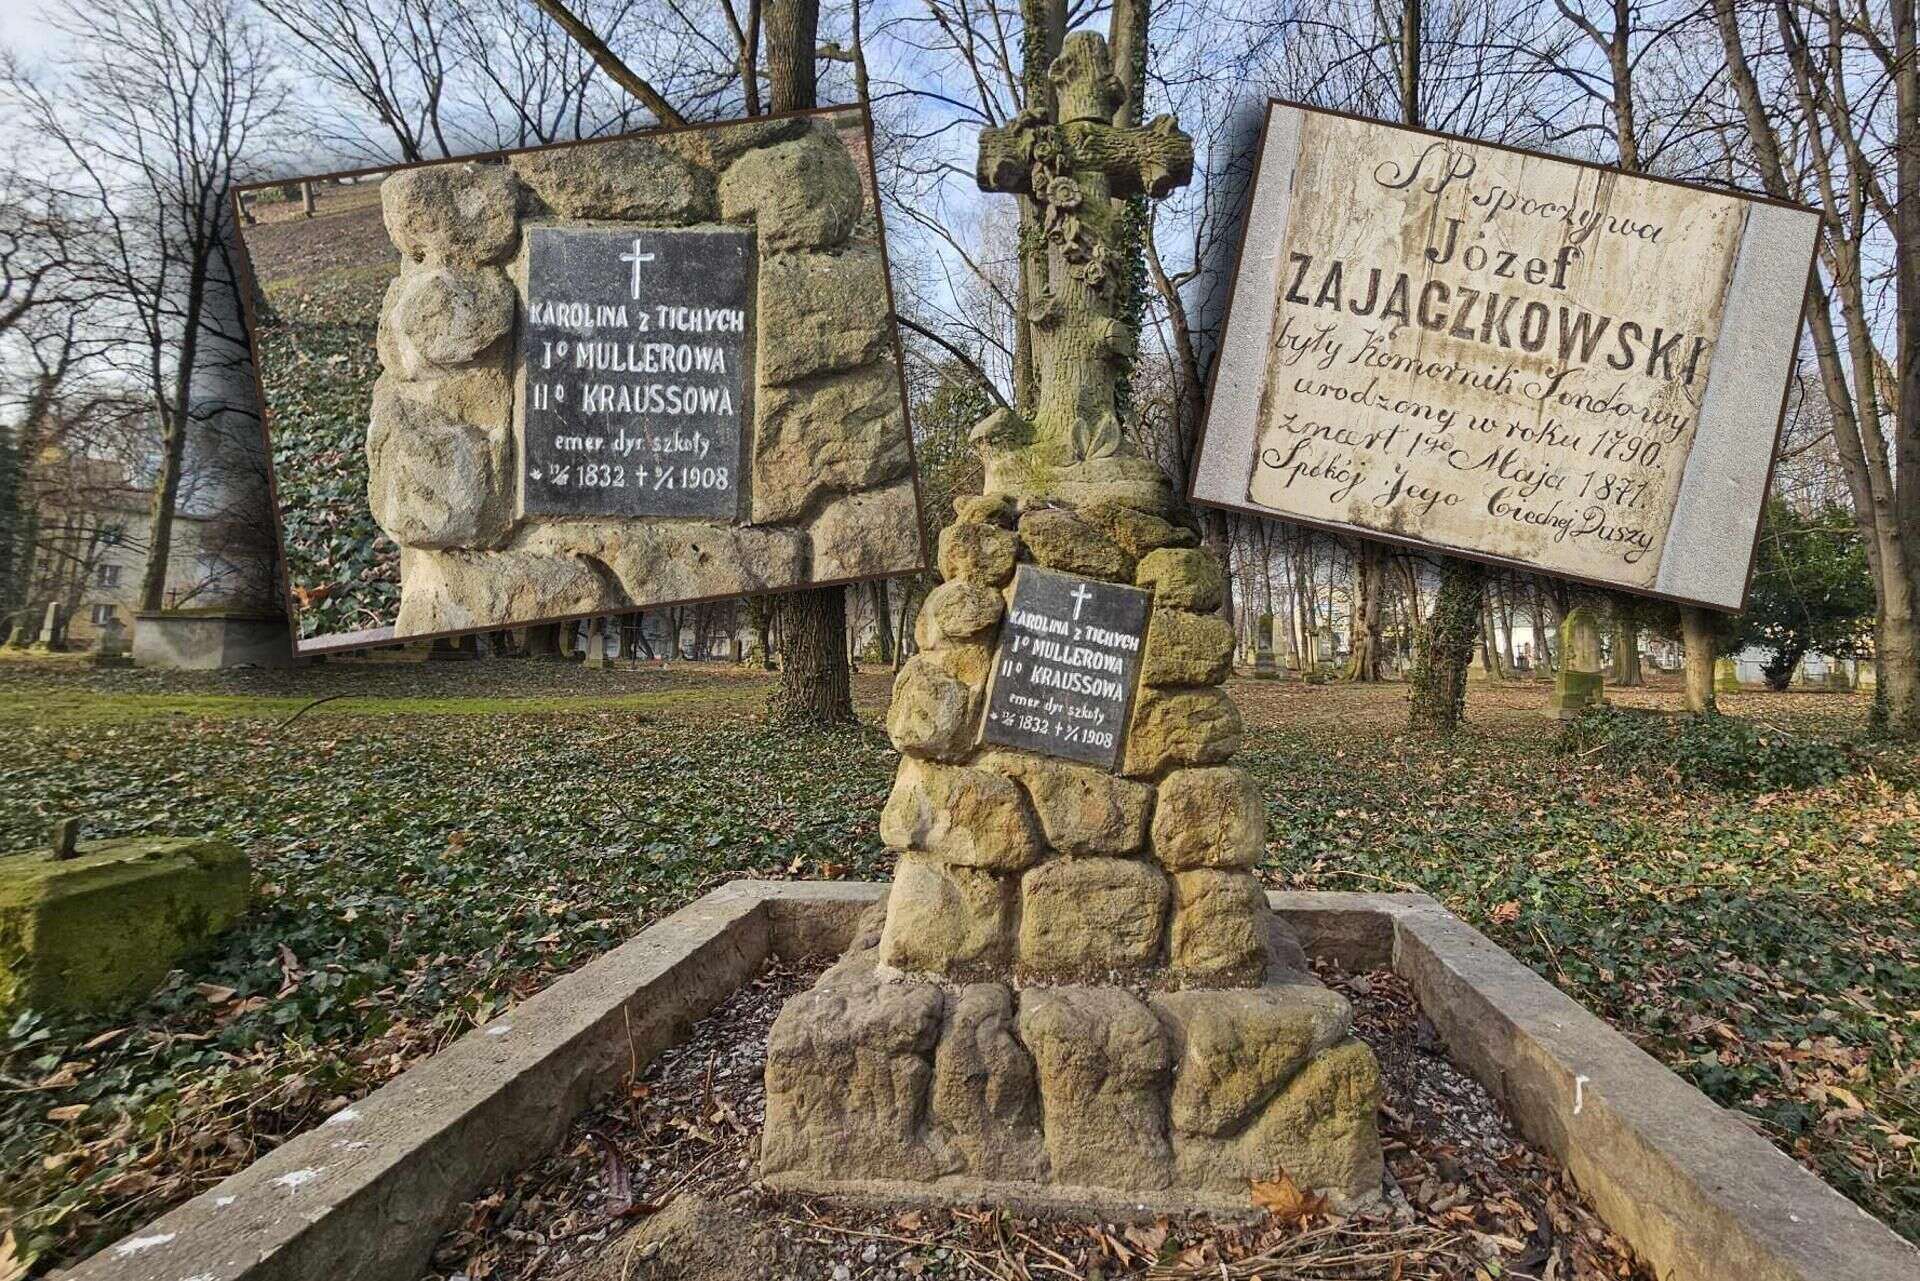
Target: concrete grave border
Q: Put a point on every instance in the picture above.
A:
(366, 1194)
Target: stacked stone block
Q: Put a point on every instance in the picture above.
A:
(1078, 995)
(829, 492)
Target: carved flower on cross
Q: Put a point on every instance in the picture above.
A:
(1063, 193)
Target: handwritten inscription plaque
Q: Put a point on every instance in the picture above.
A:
(1445, 342)
(1067, 664)
(636, 358)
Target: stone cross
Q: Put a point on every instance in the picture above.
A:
(1078, 167)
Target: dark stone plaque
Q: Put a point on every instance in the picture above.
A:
(1068, 661)
(637, 356)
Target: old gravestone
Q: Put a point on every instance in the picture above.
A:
(1264, 667)
(1077, 995)
(1454, 344)
(1580, 683)
(636, 371)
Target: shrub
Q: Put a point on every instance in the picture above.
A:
(1724, 752)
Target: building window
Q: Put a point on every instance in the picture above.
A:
(110, 535)
(102, 615)
(108, 575)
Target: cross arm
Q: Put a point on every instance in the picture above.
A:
(1153, 160)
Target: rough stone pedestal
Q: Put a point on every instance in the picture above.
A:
(1077, 998)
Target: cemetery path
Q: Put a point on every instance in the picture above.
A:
(451, 837)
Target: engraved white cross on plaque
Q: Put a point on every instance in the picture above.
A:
(636, 258)
(1080, 596)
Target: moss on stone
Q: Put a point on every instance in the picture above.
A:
(104, 927)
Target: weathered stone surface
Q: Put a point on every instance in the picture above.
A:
(1059, 539)
(432, 480)
(1213, 816)
(948, 920)
(990, 509)
(825, 437)
(91, 932)
(1102, 1059)
(1091, 916)
(969, 817)
(986, 1101)
(451, 590)
(1234, 1050)
(1219, 932)
(868, 534)
(822, 312)
(1082, 811)
(1174, 727)
(463, 214)
(691, 1238)
(1137, 532)
(656, 561)
(802, 194)
(481, 396)
(1182, 578)
(978, 552)
(632, 179)
(956, 612)
(716, 148)
(932, 714)
(1185, 648)
(439, 318)
(1321, 1129)
(849, 1069)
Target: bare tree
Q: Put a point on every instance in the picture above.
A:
(151, 117)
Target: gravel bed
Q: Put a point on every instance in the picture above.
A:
(660, 1184)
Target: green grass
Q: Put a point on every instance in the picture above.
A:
(451, 837)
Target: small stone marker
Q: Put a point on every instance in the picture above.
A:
(1726, 676)
(1066, 666)
(66, 838)
(1580, 682)
(1263, 665)
(637, 360)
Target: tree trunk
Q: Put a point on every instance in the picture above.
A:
(1626, 653)
(1696, 633)
(1444, 648)
(882, 619)
(815, 682)
(173, 445)
(814, 678)
(1369, 580)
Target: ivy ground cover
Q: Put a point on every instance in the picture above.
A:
(441, 840)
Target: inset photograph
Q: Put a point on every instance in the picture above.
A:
(581, 380)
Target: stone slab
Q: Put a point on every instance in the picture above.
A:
(367, 1193)
(103, 927)
(637, 356)
(1697, 1194)
(1066, 668)
(1334, 194)
(203, 640)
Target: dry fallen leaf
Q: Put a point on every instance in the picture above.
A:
(214, 993)
(12, 1266)
(68, 1112)
(1505, 913)
(1283, 1198)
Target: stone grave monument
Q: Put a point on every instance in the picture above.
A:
(52, 637)
(1077, 997)
(1580, 683)
(634, 371)
(1264, 667)
(1726, 676)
